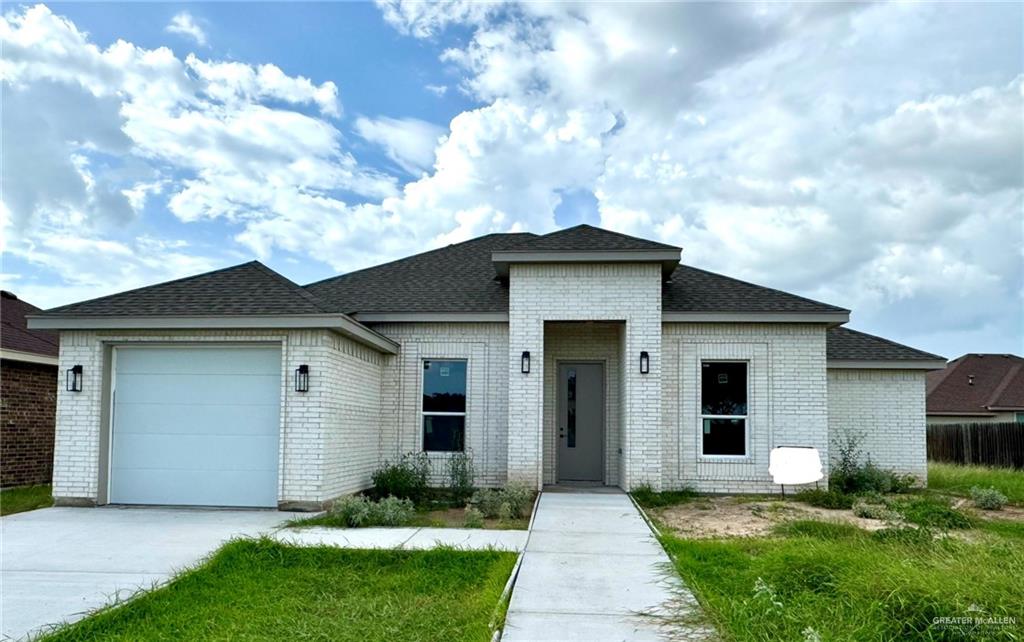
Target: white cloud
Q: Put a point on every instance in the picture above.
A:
(410, 142)
(437, 90)
(184, 24)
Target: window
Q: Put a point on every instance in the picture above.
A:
(1020, 417)
(723, 408)
(444, 405)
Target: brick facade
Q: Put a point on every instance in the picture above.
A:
(28, 404)
(886, 409)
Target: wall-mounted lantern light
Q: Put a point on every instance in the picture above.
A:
(525, 368)
(645, 362)
(302, 378)
(74, 379)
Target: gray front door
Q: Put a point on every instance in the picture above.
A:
(580, 422)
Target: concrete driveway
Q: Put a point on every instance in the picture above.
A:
(58, 564)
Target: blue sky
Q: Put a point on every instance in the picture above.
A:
(868, 156)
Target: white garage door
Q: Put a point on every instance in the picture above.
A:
(196, 426)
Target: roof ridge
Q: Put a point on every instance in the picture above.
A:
(891, 342)
(146, 287)
(418, 255)
(1001, 388)
(301, 291)
(763, 287)
(607, 231)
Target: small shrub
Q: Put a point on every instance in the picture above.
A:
(932, 512)
(461, 475)
(988, 498)
(360, 511)
(473, 518)
(406, 479)
(649, 498)
(875, 511)
(519, 497)
(850, 476)
(510, 502)
(830, 498)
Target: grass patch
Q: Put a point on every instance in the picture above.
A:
(19, 500)
(848, 585)
(934, 512)
(958, 480)
(264, 590)
(649, 498)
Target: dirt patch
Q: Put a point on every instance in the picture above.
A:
(713, 517)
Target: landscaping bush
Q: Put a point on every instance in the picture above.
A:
(849, 475)
(830, 498)
(988, 498)
(461, 474)
(406, 479)
(933, 512)
(512, 501)
(474, 518)
(359, 510)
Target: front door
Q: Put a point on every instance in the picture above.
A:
(581, 422)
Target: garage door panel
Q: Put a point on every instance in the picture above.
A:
(198, 388)
(185, 419)
(194, 452)
(196, 426)
(199, 360)
(211, 488)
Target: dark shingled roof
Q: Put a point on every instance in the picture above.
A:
(455, 278)
(845, 344)
(586, 238)
(247, 289)
(15, 333)
(693, 290)
(977, 383)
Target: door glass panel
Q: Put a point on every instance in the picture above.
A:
(571, 419)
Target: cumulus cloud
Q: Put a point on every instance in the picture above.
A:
(410, 142)
(184, 24)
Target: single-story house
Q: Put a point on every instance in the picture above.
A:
(580, 356)
(977, 388)
(28, 396)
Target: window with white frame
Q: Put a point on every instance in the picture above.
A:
(723, 408)
(444, 405)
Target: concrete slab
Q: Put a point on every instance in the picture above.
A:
(593, 570)
(58, 564)
(347, 537)
(468, 538)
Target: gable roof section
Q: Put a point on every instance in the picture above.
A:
(16, 340)
(846, 348)
(691, 290)
(249, 288)
(977, 384)
(587, 238)
(456, 279)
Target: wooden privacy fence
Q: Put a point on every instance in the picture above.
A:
(999, 444)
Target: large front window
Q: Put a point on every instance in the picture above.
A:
(723, 408)
(444, 405)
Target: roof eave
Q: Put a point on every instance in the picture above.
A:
(338, 322)
(669, 259)
(831, 318)
(28, 357)
(885, 364)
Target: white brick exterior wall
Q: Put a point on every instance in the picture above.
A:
(586, 292)
(787, 399)
(485, 347)
(328, 435)
(887, 409)
(584, 342)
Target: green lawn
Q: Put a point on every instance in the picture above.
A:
(957, 480)
(846, 584)
(263, 590)
(19, 500)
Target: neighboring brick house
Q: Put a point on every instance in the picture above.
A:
(977, 388)
(28, 396)
(581, 356)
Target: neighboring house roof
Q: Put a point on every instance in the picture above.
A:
(977, 384)
(247, 289)
(16, 340)
(844, 344)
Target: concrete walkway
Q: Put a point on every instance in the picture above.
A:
(404, 538)
(594, 571)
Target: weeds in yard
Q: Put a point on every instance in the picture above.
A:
(360, 511)
(511, 502)
(650, 498)
(987, 498)
(958, 480)
(461, 476)
(831, 498)
(933, 512)
(25, 498)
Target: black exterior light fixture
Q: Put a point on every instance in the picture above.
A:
(525, 368)
(74, 378)
(302, 378)
(645, 362)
